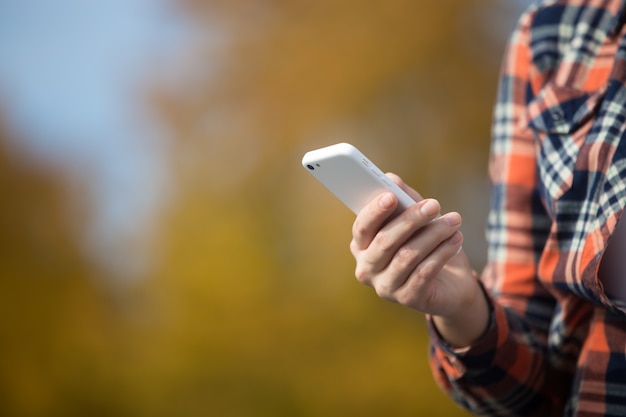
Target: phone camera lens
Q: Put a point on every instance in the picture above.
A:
(310, 167)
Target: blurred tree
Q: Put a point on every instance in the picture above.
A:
(57, 333)
(411, 83)
(250, 308)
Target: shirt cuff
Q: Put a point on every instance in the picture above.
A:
(477, 356)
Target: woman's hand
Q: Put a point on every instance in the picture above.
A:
(416, 259)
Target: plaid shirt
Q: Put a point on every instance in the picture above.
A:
(556, 344)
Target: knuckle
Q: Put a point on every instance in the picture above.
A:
(358, 229)
(384, 241)
(354, 247)
(413, 218)
(385, 292)
(408, 298)
(425, 271)
(363, 274)
(360, 274)
(415, 294)
(405, 257)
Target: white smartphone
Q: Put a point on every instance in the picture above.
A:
(351, 177)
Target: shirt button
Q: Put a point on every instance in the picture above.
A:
(557, 115)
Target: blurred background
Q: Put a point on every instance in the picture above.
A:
(162, 250)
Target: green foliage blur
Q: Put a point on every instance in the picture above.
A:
(249, 307)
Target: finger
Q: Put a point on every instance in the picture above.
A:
(402, 228)
(419, 291)
(415, 253)
(393, 235)
(370, 220)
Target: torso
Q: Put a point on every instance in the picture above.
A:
(612, 270)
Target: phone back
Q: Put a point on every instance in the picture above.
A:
(351, 177)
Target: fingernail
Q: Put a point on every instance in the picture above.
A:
(385, 201)
(456, 238)
(452, 219)
(430, 208)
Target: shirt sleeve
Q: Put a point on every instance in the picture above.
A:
(505, 372)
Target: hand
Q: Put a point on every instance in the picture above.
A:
(416, 259)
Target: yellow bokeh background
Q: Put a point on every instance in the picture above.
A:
(248, 305)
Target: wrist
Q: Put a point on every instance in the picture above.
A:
(468, 323)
